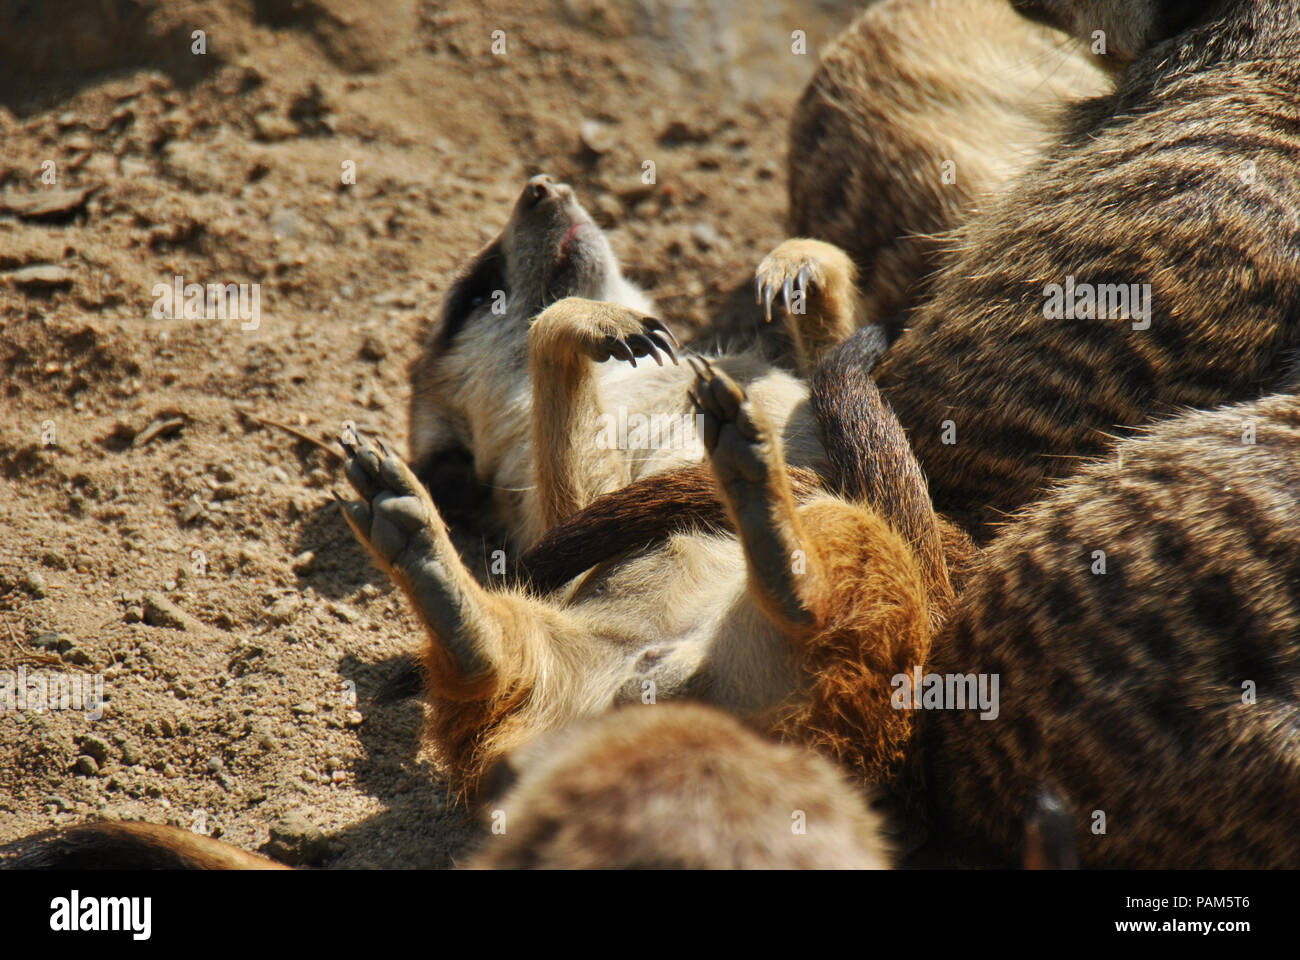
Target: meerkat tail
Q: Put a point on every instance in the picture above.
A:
(871, 460)
(131, 846)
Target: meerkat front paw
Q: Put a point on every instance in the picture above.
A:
(735, 437)
(804, 272)
(603, 330)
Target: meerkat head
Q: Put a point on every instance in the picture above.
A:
(548, 250)
(1129, 27)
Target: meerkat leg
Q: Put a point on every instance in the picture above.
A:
(474, 635)
(817, 282)
(836, 578)
(573, 466)
(750, 467)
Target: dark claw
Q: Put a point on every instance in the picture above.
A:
(787, 292)
(767, 303)
(758, 290)
(618, 348)
(664, 345)
(643, 346)
(694, 361)
(658, 327)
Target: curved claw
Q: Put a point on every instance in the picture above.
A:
(758, 290)
(767, 302)
(787, 291)
(802, 279)
(658, 340)
(658, 327)
(641, 342)
(617, 348)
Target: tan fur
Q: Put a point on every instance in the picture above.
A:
(524, 392)
(1181, 176)
(919, 112)
(121, 845)
(673, 787)
(753, 629)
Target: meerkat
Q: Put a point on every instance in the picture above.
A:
(123, 845)
(1140, 264)
(671, 786)
(676, 786)
(918, 113)
(1144, 623)
(797, 617)
(1144, 620)
(1144, 263)
(511, 376)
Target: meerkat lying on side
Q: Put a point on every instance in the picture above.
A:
(677, 786)
(1143, 263)
(1144, 620)
(510, 372)
(919, 112)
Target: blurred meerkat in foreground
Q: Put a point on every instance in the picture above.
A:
(1144, 619)
(677, 786)
(919, 112)
(510, 374)
(1144, 262)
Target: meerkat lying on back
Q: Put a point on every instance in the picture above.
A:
(798, 621)
(1144, 262)
(510, 370)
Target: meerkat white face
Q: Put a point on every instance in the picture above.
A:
(548, 250)
(1129, 26)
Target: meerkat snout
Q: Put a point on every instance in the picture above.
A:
(543, 186)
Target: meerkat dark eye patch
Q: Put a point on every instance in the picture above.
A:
(477, 285)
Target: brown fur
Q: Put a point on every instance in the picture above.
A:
(673, 787)
(910, 86)
(1123, 690)
(110, 845)
(830, 601)
(1149, 184)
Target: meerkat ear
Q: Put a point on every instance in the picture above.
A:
(482, 282)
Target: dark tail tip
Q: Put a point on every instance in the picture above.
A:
(1049, 833)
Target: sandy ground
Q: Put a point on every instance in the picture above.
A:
(161, 537)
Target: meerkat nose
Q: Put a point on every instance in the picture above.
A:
(540, 187)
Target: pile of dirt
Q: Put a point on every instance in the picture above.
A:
(345, 157)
